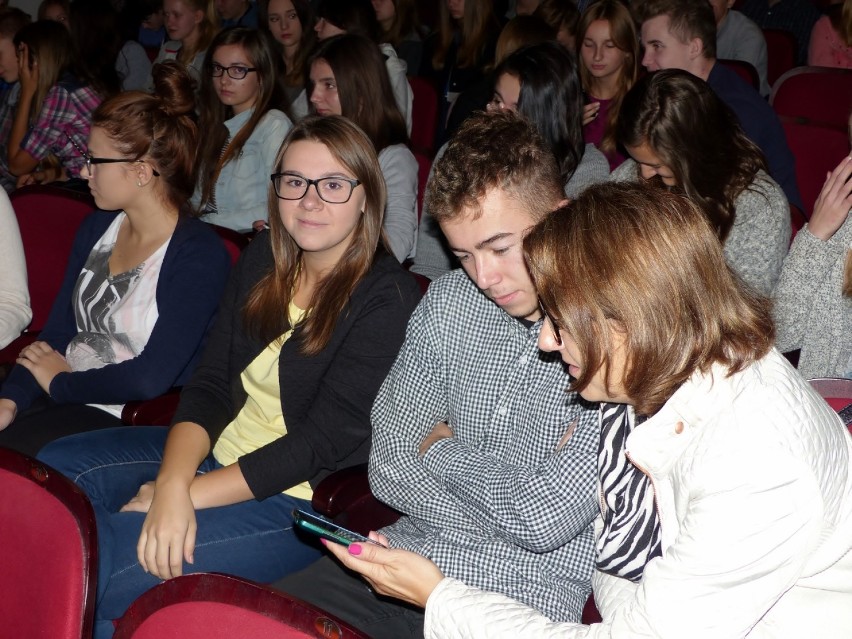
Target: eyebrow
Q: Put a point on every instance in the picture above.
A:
(484, 243)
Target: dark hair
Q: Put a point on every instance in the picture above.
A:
(263, 310)
(12, 20)
(97, 37)
(559, 14)
(44, 4)
(363, 87)
(158, 127)
(551, 98)
(295, 76)
(352, 16)
(473, 31)
(499, 150)
(631, 258)
(50, 43)
(688, 19)
(522, 31)
(260, 50)
(622, 32)
(405, 21)
(697, 136)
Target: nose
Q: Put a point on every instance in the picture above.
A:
(85, 173)
(546, 340)
(318, 26)
(598, 53)
(646, 171)
(311, 199)
(316, 95)
(648, 59)
(486, 274)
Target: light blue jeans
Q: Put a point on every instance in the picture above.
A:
(253, 539)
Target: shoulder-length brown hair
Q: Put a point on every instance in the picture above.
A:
(645, 262)
(622, 30)
(363, 87)
(265, 311)
(697, 136)
(475, 28)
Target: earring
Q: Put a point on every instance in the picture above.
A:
(139, 183)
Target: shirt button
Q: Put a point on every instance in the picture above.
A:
(503, 411)
(522, 360)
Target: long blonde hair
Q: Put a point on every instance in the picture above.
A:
(207, 29)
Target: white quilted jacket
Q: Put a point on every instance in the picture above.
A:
(755, 503)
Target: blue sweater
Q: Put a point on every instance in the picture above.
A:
(195, 269)
(761, 125)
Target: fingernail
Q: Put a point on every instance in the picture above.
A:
(354, 549)
(324, 542)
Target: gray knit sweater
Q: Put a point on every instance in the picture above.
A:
(758, 241)
(811, 312)
(433, 258)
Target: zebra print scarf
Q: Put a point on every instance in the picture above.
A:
(631, 531)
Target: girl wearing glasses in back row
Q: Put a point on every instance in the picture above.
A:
(279, 400)
(242, 132)
(142, 282)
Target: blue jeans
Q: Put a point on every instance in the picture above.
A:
(252, 539)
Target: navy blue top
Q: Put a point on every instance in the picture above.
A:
(192, 278)
(761, 125)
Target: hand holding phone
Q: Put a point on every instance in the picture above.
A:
(326, 529)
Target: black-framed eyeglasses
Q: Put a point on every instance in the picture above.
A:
(235, 71)
(92, 160)
(554, 325)
(292, 186)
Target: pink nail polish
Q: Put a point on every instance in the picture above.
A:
(324, 542)
(354, 549)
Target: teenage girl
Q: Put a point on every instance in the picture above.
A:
(243, 131)
(291, 23)
(309, 325)
(608, 49)
(348, 77)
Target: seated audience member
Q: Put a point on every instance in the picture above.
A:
(97, 40)
(831, 38)
(291, 23)
(681, 34)
(15, 313)
(474, 437)
(401, 29)
(279, 400)
(519, 32)
(609, 62)
(191, 26)
(562, 16)
(738, 38)
(11, 21)
(142, 282)
(348, 78)
(681, 137)
(813, 298)
(726, 505)
(357, 17)
(237, 13)
(132, 62)
(459, 52)
(54, 110)
(543, 85)
(56, 10)
(796, 16)
(152, 30)
(242, 130)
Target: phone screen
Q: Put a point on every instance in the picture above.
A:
(327, 529)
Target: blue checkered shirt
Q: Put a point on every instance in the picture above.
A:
(498, 505)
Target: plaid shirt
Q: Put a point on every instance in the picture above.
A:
(8, 105)
(65, 115)
(497, 505)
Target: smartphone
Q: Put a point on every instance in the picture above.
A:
(328, 529)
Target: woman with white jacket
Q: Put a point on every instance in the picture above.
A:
(724, 479)
(15, 311)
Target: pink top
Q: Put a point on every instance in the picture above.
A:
(826, 48)
(593, 132)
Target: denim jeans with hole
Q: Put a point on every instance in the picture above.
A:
(252, 539)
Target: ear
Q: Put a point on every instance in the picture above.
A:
(144, 173)
(199, 16)
(696, 48)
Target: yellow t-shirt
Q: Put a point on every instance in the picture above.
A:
(260, 421)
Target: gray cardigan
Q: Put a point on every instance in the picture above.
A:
(433, 258)
(811, 311)
(758, 241)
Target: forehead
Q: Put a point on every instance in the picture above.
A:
(312, 159)
(228, 52)
(498, 212)
(280, 6)
(657, 29)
